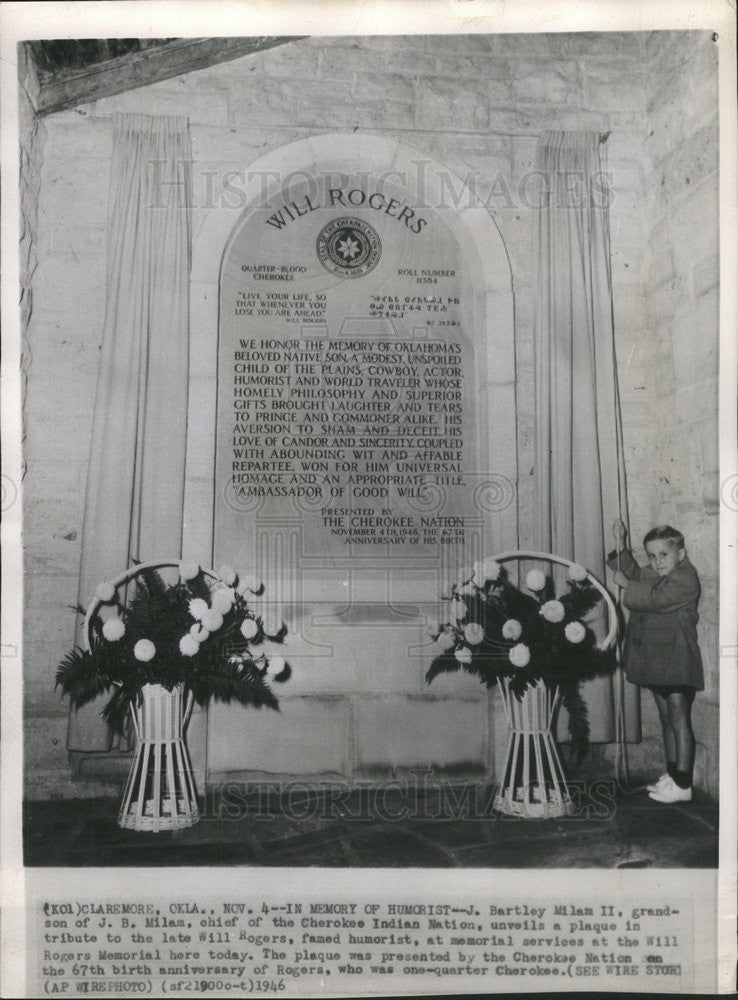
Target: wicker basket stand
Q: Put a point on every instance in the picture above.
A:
(533, 784)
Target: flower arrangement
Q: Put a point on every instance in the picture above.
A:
(197, 632)
(496, 631)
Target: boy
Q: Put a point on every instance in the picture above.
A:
(661, 650)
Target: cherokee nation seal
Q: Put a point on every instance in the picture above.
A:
(348, 247)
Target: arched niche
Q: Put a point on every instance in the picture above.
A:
(365, 439)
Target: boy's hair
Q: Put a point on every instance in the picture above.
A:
(664, 531)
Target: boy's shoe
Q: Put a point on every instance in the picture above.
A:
(671, 792)
(655, 786)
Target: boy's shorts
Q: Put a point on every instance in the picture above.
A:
(666, 689)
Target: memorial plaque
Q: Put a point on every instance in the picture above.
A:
(354, 466)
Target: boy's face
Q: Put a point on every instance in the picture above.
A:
(664, 555)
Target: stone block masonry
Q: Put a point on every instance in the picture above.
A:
(313, 730)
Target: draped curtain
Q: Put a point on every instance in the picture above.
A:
(135, 484)
(579, 465)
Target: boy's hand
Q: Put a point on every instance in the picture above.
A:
(619, 531)
(621, 580)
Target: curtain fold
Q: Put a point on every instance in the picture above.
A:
(135, 483)
(580, 473)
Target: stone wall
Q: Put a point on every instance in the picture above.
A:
(475, 103)
(670, 384)
(32, 133)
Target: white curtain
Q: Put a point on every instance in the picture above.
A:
(135, 485)
(579, 467)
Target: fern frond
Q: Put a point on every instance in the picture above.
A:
(199, 587)
(576, 707)
(79, 677)
(116, 712)
(225, 683)
(444, 664)
(581, 599)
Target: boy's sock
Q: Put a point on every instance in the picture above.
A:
(671, 768)
(682, 778)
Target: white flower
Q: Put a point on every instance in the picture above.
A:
(212, 620)
(198, 608)
(463, 654)
(458, 610)
(144, 650)
(445, 640)
(223, 599)
(490, 569)
(465, 575)
(249, 628)
(473, 633)
(576, 572)
(228, 575)
(275, 666)
(237, 662)
(272, 624)
(553, 611)
(468, 588)
(575, 631)
(519, 655)
(248, 584)
(512, 629)
(113, 629)
(535, 579)
(105, 592)
(198, 632)
(188, 570)
(188, 646)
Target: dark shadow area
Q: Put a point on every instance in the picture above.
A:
(447, 826)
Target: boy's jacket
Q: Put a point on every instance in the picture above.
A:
(661, 637)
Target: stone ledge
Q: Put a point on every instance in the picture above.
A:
(308, 736)
(414, 732)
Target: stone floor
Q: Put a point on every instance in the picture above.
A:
(395, 825)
